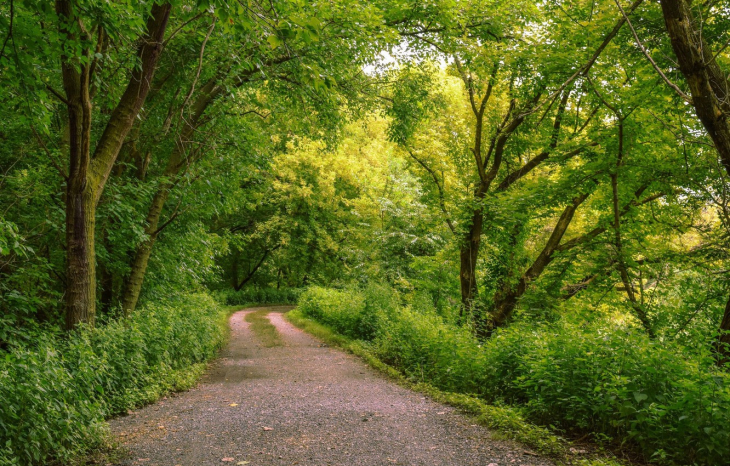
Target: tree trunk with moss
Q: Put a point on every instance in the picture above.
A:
(87, 174)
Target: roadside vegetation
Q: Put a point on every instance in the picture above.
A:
(526, 203)
(58, 390)
(618, 388)
(263, 328)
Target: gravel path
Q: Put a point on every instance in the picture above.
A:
(303, 404)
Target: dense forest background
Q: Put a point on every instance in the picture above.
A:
(527, 202)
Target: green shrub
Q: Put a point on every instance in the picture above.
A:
(343, 310)
(617, 383)
(260, 296)
(57, 392)
(599, 378)
(357, 314)
(446, 356)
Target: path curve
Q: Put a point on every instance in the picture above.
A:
(303, 404)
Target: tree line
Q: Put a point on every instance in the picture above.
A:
(552, 150)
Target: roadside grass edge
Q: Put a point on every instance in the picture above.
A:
(505, 421)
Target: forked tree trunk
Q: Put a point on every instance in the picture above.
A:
(87, 175)
(177, 162)
(469, 253)
(506, 299)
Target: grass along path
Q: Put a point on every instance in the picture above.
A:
(304, 403)
(506, 421)
(263, 329)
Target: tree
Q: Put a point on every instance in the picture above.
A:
(88, 169)
(500, 77)
(287, 57)
(699, 63)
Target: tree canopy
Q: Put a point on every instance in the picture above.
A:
(507, 162)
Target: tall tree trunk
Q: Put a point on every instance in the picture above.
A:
(468, 264)
(80, 254)
(80, 194)
(723, 341)
(87, 175)
(135, 281)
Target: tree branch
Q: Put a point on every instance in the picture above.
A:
(256, 267)
(442, 202)
(684, 96)
(586, 67)
(48, 153)
(570, 244)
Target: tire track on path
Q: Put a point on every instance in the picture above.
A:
(305, 404)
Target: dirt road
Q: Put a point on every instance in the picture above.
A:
(303, 404)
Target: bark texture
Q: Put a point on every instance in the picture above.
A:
(707, 82)
(709, 89)
(468, 256)
(87, 175)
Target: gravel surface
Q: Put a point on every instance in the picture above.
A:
(304, 404)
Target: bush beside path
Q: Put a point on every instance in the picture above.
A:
(304, 403)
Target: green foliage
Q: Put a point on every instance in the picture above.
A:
(353, 313)
(344, 311)
(411, 103)
(619, 385)
(57, 391)
(505, 419)
(10, 241)
(343, 143)
(259, 296)
(428, 350)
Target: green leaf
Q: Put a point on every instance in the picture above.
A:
(274, 41)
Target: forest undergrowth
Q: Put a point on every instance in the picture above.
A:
(541, 188)
(57, 390)
(621, 389)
